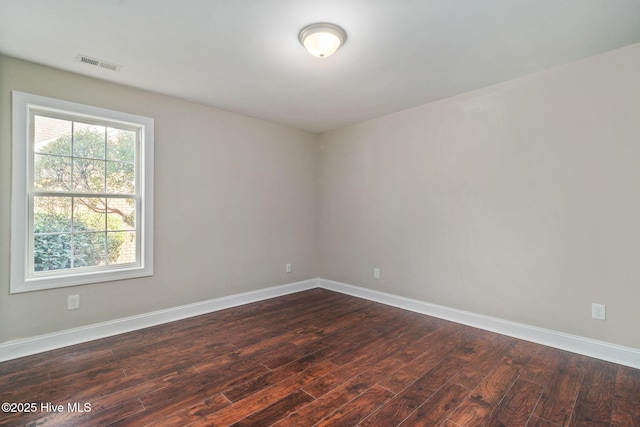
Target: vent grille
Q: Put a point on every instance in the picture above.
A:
(98, 62)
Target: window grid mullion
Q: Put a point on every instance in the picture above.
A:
(73, 137)
(104, 183)
(73, 221)
(106, 201)
(85, 195)
(73, 187)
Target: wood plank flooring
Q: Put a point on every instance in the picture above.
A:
(317, 358)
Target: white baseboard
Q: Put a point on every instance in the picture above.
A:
(25, 347)
(576, 344)
(598, 349)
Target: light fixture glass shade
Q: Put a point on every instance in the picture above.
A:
(322, 39)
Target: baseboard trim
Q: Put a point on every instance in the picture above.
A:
(576, 344)
(28, 346)
(588, 347)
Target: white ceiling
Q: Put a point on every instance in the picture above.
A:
(244, 55)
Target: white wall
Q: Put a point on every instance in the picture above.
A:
(519, 201)
(235, 200)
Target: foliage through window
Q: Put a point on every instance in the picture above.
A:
(86, 195)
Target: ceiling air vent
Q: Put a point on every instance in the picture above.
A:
(97, 62)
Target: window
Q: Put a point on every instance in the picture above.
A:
(82, 194)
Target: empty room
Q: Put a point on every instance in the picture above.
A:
(320, 213)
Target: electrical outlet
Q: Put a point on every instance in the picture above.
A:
(376, 273)
(287, 268)
(73, 302)
(598, 311)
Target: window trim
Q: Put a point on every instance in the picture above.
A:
(21, 281)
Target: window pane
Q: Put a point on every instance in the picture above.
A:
(89, 249)
(88, 175)
(51, 173)
(52, 136)
(51, 214)
(121, 145)
(51, 251)
(89, 214)
(88, 141)
(120, 178)
(121, 214)
(121, 246)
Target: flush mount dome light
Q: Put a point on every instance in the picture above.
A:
(322, 39)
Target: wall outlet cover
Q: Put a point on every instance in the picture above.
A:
(73, 302)
(598, 311)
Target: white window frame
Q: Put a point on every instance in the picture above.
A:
(23, 280)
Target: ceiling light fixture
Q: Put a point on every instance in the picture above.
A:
(322, 39)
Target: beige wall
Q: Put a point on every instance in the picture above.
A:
(519, 201)
(235, 200)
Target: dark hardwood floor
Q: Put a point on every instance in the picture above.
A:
(318, 358)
